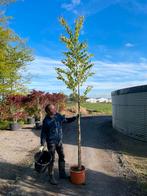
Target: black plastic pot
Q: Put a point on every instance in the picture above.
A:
(38, 124)
(31, 120)
(14, 126)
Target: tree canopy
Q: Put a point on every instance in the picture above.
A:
(14, 56)
(77, 59)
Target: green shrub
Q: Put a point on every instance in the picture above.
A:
(21, 122)
(4, 125)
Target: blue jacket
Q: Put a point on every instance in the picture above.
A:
(51, 131)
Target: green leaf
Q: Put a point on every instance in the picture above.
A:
(77, 61)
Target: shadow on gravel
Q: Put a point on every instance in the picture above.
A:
(32, 183)
(97, 132)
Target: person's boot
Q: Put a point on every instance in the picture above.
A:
(52, 179)
(62, 173)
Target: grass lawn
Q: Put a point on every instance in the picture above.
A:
(95, 108)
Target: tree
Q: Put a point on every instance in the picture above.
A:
(6, 2)
(77, 67)
(74, 97)
(15, 107)
(36, 101)
(14, 56)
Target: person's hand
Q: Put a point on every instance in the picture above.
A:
(41, 148)
(60, 143)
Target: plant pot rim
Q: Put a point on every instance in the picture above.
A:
(13, 122)
(73, 167)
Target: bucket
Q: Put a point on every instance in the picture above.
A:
(42, 161)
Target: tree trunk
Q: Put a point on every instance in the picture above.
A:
(41, 116)
(39, 109)
(79, 131)
(2, 93)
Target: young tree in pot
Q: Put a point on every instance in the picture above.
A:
(33, 105)
(77, 70)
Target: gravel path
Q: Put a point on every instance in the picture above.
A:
(104, 177)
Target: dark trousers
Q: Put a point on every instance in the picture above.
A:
(52, 148)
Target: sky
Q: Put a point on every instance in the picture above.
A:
(115, 30)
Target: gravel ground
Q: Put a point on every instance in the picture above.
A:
(104, 171)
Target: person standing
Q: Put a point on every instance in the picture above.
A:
(51, 133)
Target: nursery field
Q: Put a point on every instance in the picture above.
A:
(95, 108)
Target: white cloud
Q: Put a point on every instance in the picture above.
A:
(87, 8)
(118, 69)
(143, 59)
(114, 86)
(129, 45)
(93, 6)
(70, 6)
(135, 5)
(43, 66)
(108, 76)
(76, 2)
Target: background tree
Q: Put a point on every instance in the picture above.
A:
(14, 56)
(77, 67)
(14, 104)
(74, 97)
(36, 101)
(6, 2)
